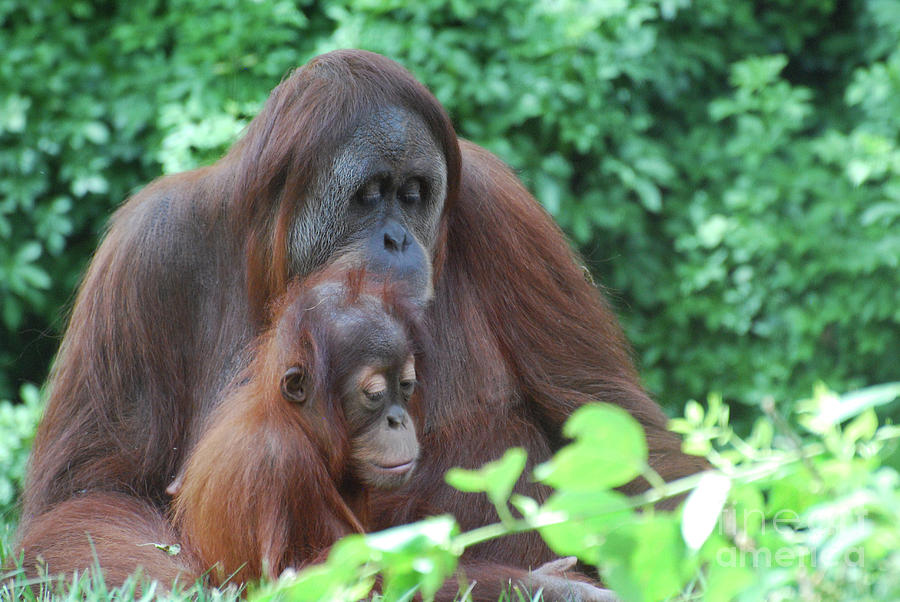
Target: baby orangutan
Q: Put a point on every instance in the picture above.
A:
(321, 415)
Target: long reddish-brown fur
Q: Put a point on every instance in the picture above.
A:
(546, 343)
(180, 284)
(269, 486)
(178, 289)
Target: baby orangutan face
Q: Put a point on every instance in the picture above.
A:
(384, 447)
(372, 376)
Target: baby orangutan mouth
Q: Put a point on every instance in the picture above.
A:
(401, 470)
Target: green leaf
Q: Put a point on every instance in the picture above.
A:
(610, 450)
(13, 113)
(755, 73)
(828, 410)
(96, 132)
(416, 557)
(650, 196)
(713, 230)
(13, 313)
(607, 423)
(588, 517)
(646, 559)
(723, 582)
(350, 551)
(858, 171)
(29, 252)
(694, 412)
(702, 508)
(527, 506)
(496, 478)
(318, 583)
(434, 531)
(789, 495)
(862, 427)
(749, 511)
(589, 467)
(34, 276)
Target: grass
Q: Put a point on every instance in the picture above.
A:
(90, 586)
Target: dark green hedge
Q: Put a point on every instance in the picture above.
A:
(731, 170)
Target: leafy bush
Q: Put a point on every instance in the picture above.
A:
(17, 424)
(730, 172)
(727, 169)
(782, 517)
(805, 506)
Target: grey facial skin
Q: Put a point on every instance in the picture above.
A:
(379, 203)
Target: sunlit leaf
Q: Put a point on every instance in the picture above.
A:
(828, 409)
(702, 508)
(496, 478)
(609, 451)
(587, 517)
(646, 559)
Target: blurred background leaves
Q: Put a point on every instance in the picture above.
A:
(731, 171)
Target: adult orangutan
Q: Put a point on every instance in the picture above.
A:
(319, 418)
(350, 161)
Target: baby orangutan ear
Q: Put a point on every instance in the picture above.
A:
(293, 384)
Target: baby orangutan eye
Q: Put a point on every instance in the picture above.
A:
(408, 377)
(376, 396)
(373, 384)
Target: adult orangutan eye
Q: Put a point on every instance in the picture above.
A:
(370, 194)
(411, 193)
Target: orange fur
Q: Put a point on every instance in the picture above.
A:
(268, 486)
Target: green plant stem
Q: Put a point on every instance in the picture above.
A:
(749, 474)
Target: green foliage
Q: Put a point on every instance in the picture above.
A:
(609, 450)
(804, 507)
(17, 424)
(643, 556)
(496, 479)
(784, 515)
(412, 559)
(763, 220)
(730, 173)
(811, 513)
